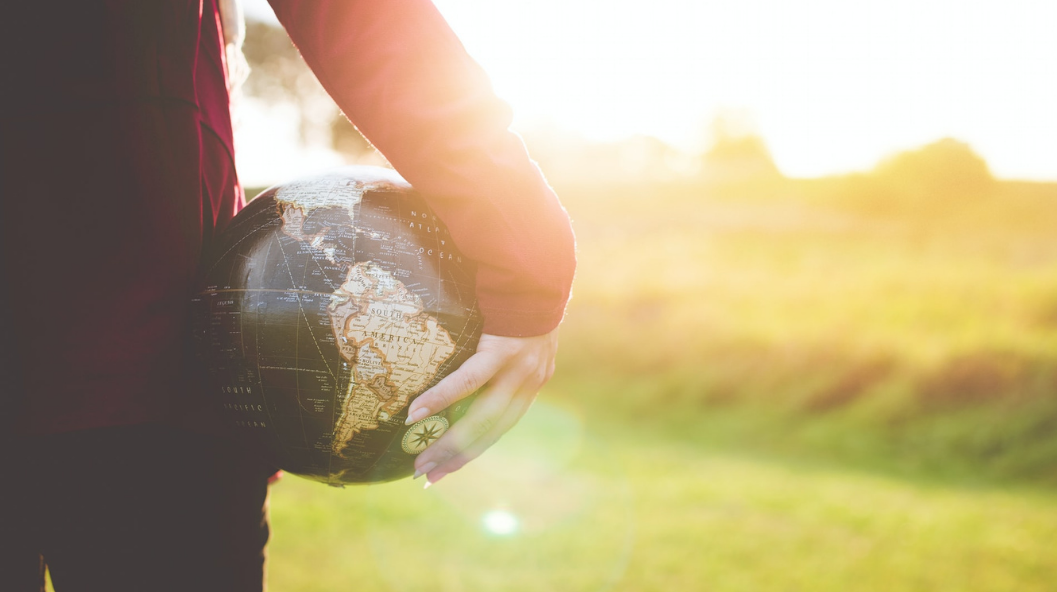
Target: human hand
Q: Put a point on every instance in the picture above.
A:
(509, 371)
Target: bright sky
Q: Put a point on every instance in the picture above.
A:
(832, 85)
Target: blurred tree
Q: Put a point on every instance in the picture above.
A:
(944, 170)
(346, 139)
(279, 75)
(927, 183)
(737, 152)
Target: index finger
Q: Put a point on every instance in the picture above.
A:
(474, 373)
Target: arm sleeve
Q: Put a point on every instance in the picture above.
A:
(399, 73)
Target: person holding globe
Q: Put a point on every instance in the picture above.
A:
(118, 174)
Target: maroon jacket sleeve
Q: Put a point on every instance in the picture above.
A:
(403, 78)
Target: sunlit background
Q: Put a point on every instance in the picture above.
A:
(832, 86)
(813, 339)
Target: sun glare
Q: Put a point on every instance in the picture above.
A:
(833, 85)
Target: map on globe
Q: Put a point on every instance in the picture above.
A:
(330, 303)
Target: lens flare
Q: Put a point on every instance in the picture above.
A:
(500, 522)
(547, 508)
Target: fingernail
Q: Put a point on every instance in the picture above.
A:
(428, 482)
(425, 469)
(416, 415)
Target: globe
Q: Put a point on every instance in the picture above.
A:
(329, 304)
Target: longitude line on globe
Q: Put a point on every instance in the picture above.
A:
(326, 277)
(297, 350)
(257, 333)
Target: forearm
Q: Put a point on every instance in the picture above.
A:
(401, 75)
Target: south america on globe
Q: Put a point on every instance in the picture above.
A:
(329, 304)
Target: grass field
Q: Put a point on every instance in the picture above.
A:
(662, 513)
(835, 384)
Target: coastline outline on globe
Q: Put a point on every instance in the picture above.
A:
(328, 304)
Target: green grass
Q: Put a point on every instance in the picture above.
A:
(615, 507)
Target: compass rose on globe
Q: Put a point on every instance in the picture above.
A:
(423, 433)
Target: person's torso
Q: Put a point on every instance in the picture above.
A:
(117, 168)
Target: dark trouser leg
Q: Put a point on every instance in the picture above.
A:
(21, 566)
(144, 508)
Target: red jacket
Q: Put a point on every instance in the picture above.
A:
(118, 170)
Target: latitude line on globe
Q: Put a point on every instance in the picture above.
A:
(292, 369)
(284, 291)
(240, 241)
